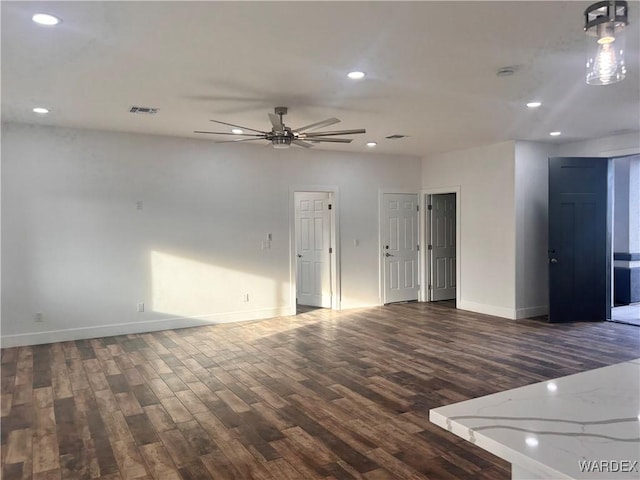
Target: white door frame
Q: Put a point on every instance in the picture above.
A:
(424, 241)
(332, 190)
(381, 194)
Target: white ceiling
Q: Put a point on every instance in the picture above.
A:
(431, 69)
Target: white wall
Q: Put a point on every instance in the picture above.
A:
(485, 176)
(76, 248)
(616, 145)
(532, 210)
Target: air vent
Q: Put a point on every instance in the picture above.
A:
(395, 136)
(143, 110)
(507, 70)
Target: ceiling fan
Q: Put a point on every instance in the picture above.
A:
(282, 136)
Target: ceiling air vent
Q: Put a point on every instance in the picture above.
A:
(395, 136)
(143, 110)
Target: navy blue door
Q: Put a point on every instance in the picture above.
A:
(579, 239)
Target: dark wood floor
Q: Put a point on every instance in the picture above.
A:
(323, 395)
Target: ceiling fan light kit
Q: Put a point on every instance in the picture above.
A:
(281, 143)
(606, 21)
(282, 137)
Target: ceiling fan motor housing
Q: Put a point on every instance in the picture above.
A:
(281, 141)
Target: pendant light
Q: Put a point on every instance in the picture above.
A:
(606, 22)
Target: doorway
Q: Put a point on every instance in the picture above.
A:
(441, 248)
(400, 251)
(441, 238)
(584, 282)
(313, 266)
(580, 219)
(626, 239)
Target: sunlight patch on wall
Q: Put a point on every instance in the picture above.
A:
(189, 288)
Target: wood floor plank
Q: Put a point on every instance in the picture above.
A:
(322, 395)
(220, 467)
(129, 460)
(176, 410)
(128, 403)
(45, 453)
(159, 418)
(179, 449)
(49, 475)
(18, 446)
(159, 462)
(245, 463)
(197, 438)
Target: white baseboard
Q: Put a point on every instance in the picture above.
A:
(353, 306)
(486, 309)
(511, 314)
(532, 311)
(37, 338)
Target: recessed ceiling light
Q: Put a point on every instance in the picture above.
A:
(41, 110)
(534, 104)
(46, 19)
(555, 134)
(237, 131)
(355, 75)
(532, 441)
(371, 144)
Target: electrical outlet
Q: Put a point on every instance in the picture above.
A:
(245, 297)
(38, 317)
(141, 307)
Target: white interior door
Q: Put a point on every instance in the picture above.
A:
(313, 248)
(400, 247)
(442, 246)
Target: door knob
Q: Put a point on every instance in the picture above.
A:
(299, 256)
(388, 255)
(553, 260)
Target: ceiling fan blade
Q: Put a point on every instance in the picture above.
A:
(238, 126)
(334, 140)
(240, 140)
(323, 123)
(276, 121)
(336, 132)
(229, 133)
(301, 143)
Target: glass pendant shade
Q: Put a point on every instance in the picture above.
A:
(606, 21)
(605, 64)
